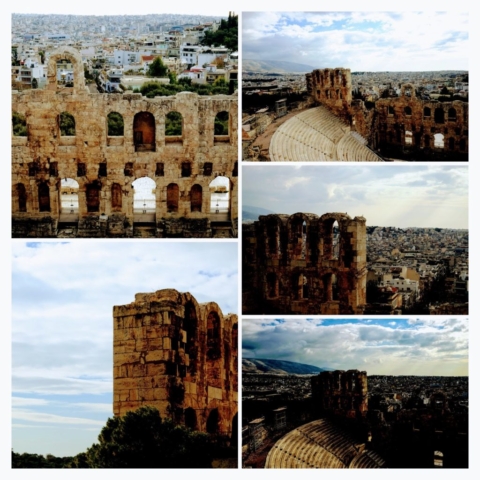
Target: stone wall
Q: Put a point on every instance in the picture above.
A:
(300, 264)
(341, 393)
(181, 166)
(179, 356)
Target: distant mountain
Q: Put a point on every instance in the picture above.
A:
(275, 66)
(263, 365)
(252, 213)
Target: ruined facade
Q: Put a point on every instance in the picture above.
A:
(178, 356)
(341, 393)
(304, 264)
(106, 163)
(404, 127)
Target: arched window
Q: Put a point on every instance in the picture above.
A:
(272, 285)
(190, 327)
(22, 197)
(335, 240)
(213, 336)
(438, 459)
(427, 112)
(391, 110)
(173, 124)
(196, 198)
(69, 196)
(452, 114)
(172, 197)
(19, 124)
(93, 196)
(115, 124)
(66, 123)
(213, 421)
(144, 132)
(144, 197)
(43, 197)
(220, 198)
(439, 115)
(439, 141)
(408, 137)
(221, 124)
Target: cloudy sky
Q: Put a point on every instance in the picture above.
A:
(361, 41)
(393, 346)
(386, 195)
(62, 335)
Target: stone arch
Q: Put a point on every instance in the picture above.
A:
(439, 115)
(190, 418)
(66, 124)
(172, 198)
(220, 197)
(116, 197)
(21, 194)
(327, 222)
(272, 285)
(74, 57)
(144, 132)
(115, 125)
(68, 196)
(439, 140)
(222, 124)
(196, 198)
(144, 197)
(213, 335)
(301, 287)
(43, 197)
(213, 422)
(93, 196)
(191, 327)
(273, 228)
(173, 124)
(298, 235)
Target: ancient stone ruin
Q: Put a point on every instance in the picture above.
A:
(179, 356)
(406, 125)
(106, 165)
(304, 264)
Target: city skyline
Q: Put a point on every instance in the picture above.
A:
(403, 196)
(399, 346)
(360, 41)
(63, 294)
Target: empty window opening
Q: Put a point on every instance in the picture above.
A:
(93, 196)
(43, 197)
(335, 240)
(172, 198)
(19, 124)
(427, 140)
(439, 115)
(427, 112)
(64, 73)
(53, 169)
(69, 196)
(186, 169)
(438, 141)
(408, 137)
(160, 170)
(102, 169)
(451, 143)
(220, 197)
(334, 287)
(22, 197)
(190, 418)
(408, 111)
(327, 288)
(221, 123)
(66, 123)
(272, 285)
(207, 169)
(81, 169)
(213, 336)
(438, 459)
(299, 238)
(213, 422)
(273, 238)
(452, 114)
(115, 125)
(391, 110)
(173, 124)
(144, 198)
(144, 132)
(235, 170)
(116, 197)
(190, 327)
(196, 198)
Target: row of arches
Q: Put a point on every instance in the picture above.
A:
(437, 140)
(144, 126)
(438, 116)
(144, 196)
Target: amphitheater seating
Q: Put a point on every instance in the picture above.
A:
(318, 135)
(320, 444)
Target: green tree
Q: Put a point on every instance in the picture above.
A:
(173, 123)
(41, 53)
(140, 439)
(227, 34)
(157, 69)
(221, 124)
(173, 78)
(115, 124)
(19, 125)
(67, 124)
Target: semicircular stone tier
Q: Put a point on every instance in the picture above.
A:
(319, 444)
(318, 135)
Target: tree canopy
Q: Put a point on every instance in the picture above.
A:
(157, 69)
(227, 34)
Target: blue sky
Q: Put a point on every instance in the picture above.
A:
(361, 41)
(389, 346)
(389, 195)
(62, 335)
